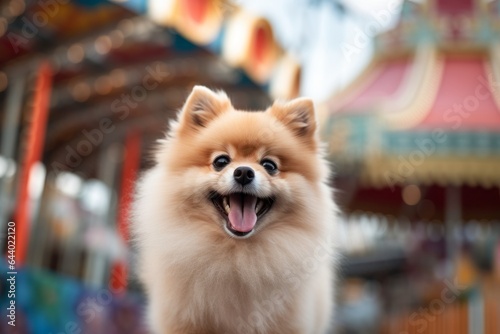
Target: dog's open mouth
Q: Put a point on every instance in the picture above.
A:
(241, 211)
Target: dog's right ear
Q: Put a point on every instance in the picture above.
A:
(201, 107)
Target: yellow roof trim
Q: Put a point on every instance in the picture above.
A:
(387, 171)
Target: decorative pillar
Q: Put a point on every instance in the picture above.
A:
(32, 154)
(131, 164)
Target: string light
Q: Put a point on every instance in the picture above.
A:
(103, 85)
(76, 53)
(103, 45)
(117, 38)
(126, 26)
(16, 7)
(118, 78)
(81, 92)
(411, 194)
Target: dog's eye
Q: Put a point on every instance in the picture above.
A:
(269, 165)
(220, 162)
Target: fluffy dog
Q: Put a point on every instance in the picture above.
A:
(234, 224)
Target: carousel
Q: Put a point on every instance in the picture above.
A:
(415, 141)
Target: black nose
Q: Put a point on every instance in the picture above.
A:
(244, 175)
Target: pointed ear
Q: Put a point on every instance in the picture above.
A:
(201, 107)
(297, 115)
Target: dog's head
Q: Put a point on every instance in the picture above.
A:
(242, 172)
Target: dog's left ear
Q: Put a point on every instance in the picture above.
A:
(202, 106)
(297, 115)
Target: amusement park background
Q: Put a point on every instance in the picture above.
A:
(408, 99)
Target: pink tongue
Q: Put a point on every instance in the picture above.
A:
(242, 219)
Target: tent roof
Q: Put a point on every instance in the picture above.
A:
(425, 86)
(464, 92)
(465, 99)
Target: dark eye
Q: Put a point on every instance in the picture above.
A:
(269, 165)
(220, 162)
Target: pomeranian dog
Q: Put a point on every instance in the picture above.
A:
(234, 224)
